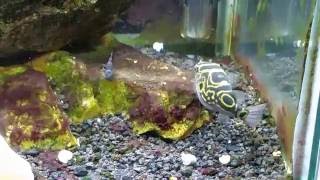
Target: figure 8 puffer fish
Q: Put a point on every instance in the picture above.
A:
(215, 93)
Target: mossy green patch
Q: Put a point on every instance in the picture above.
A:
(59, 67)
(112, 96)
(87, 98)
(53, 143)
(85, 105)
(12, 71)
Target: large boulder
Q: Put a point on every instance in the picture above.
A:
(49, 25)
(30, 116)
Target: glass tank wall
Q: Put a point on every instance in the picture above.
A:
(271, 37)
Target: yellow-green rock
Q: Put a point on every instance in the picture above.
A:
(177, 130)
(87, 98)
(29, 113)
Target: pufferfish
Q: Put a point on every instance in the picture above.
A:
(215, 93)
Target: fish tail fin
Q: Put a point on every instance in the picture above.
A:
(255, 114)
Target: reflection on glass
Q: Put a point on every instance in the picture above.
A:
(271, 40)
(197, 19)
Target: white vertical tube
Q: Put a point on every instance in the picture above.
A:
(308, 104)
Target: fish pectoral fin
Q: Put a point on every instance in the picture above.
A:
(255, 115)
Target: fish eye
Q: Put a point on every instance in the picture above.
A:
(227, 100)
(242, 114)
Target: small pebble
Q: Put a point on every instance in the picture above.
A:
(186, 171)
(158, 46)
(80, 171)
(224, 159)
(188, 159)
(276, 153)
(64, 156)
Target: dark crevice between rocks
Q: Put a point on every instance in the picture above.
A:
(17, 58)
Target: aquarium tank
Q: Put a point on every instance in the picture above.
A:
(161, 89)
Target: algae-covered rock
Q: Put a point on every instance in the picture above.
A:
(29, 115)
(87, 96)
(49, 25)
(165, 101)
(158, 97)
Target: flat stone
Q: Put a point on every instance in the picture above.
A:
(80, 171)
(186, 171)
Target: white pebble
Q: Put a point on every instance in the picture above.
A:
(99, 120)
(188, 159)
(276, 153)
(224, 159)
(158, 46)
(173, 178)
(64, 156)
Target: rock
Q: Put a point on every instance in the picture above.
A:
(156, 94)
(186, 171)
(45, 26)
(153, 107)
(234, 163)
(209, 171)
(233, 148)
(188, 159)
(64, 156)
(13, 166)
(80, 171)
(224, 159)
(28, 102)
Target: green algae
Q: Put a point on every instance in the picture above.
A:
(85, 105)
(87, 98)
(52, 143)
(8, 72)
(113, 96)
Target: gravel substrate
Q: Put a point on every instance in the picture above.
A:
(109, 150)
(283, 73)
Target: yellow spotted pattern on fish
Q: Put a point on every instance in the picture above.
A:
(213, 88)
